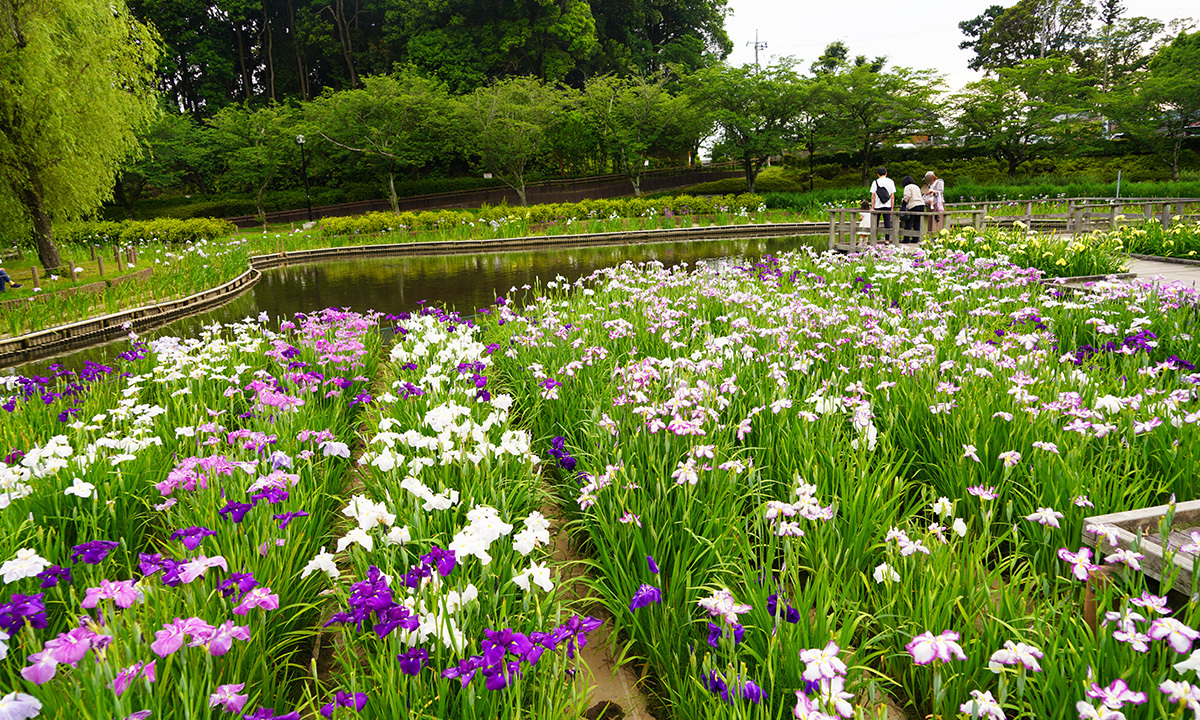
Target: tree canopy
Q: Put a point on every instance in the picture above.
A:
(76, 83)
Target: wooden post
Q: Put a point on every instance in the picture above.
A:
(1112, 217)
(871, 238)
(71, 269)
(1028, 215)
(1070, 216)
(36, 282)
(1166, 216)
(977, 219)
(100, 265)
(1148, 211)
(117, 259)
(835, 222)
(93, 253)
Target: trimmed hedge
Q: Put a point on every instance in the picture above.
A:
(381, 222)
(129, 232)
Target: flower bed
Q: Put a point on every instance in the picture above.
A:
(817, 480)
(805, 486)
(1149, 238)
(1098, 253)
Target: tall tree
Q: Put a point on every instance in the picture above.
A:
(398, 120)
(505, 124)
(76, 82)
(754, 109)
(1024, 112)
(254, 147)
(1160, 108)
(634, 117)
(1029, 29)
(873, 107)
(648, 36)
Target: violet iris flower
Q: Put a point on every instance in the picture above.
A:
(22, 609)
(265, 713)
(236, 511)
(242, 582)
(645, 595)
(94, 552)
(412, 661)
(343, 699)
(54, 575)
(192, 536)
(653, 565)
(443, 559)
(286, 518)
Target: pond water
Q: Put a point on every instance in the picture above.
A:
(462, 282)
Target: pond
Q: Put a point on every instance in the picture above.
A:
(461, 282)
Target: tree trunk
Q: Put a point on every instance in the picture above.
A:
(258, 204)
(520, 188)
(749, 170)
(301, 76)
(34, 200)
(270, 55)
(635, 179)
(339, 18)
(392, 192)
(241, 43)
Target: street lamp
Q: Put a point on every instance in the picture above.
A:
(304, 171)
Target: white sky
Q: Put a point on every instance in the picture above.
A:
(922, 34)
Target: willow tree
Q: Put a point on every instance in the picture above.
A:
(76, 82)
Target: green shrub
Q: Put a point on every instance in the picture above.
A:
(165, 230)
(380, 222)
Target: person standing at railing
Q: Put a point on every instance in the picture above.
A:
(935, 201)
(883, 197)
(6, 280)
(912, 203)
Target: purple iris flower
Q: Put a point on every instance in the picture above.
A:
(344, 699)
(466, 669)
(264, 713)
(498, 676)
(94, 552)
(272, 495)
(55, 574)
(714, 634)
(236, 511)
(240, 582)
(285, 518)
(645, 595)
(443, 559)
(192, 536)
(412, 661)
(574, 632)
(653, 565)
(22, 609)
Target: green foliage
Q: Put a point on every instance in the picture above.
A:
(1054, 255)
(76, 82)
(754, 110)
(1181, 240)
(254, 146)
(505, 126)
(586, 210)
(163, 230)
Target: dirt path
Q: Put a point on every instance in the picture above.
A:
(608, 682)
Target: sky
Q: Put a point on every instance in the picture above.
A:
(923, 34)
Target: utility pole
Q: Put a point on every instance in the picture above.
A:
(757, 46)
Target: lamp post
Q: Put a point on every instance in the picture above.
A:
(304, 171)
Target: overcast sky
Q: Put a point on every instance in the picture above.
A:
(926, 38)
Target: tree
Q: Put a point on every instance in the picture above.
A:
(172, 156)
(754, 110)
(505, 126)
(399, 120)
(1160, 108)
(647, 36)
(873, 107)
(634, 119)
(1024, 112)
(1030, 29)
(254, 147)
(76, 82)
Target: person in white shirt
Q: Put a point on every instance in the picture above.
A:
(935, 200)
(883, 187)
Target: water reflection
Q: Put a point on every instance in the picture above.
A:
(461, 282)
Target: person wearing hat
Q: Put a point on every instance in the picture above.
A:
(935, 201)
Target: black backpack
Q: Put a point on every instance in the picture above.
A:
(882, 193)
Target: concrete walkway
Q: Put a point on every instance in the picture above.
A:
(1167, 272)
